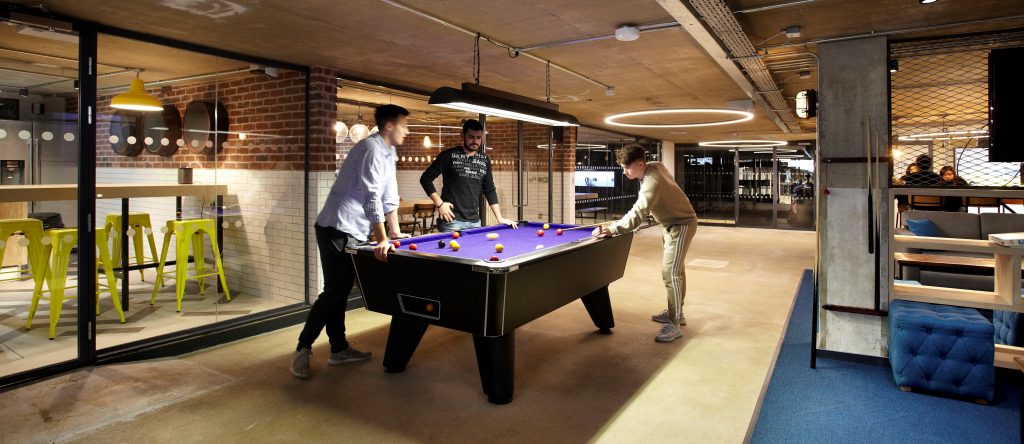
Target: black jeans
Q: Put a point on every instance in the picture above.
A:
(329, 308)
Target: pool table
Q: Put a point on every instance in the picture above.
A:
(467, 290)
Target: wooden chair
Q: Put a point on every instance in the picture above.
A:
(406, 222)
(424, 215)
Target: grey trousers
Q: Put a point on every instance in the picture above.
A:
(673, 271)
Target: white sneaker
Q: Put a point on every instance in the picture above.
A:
(668, 332)
(300, 363)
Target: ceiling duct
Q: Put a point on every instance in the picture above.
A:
(723, 24)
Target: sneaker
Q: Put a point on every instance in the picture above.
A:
(300, 363)
(348, 355)
(662, 318)
(668, 332)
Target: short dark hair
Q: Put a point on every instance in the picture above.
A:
(924, 162)
(471, 125)
(629, 154)
(388, 113)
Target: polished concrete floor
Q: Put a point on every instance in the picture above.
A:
(572, 385)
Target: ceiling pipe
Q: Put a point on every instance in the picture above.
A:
(642, 28)
(495, 42)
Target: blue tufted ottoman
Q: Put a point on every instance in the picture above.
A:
(1009, 327)
(940, 348)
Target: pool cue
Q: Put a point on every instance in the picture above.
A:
(587, 226)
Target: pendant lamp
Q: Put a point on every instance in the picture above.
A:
(136, 98)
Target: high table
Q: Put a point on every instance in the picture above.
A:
(126, 191)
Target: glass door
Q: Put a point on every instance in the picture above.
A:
(756, 187)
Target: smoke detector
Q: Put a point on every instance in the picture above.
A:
(627, 33)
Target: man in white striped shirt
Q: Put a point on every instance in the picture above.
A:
(364, 196)
(660, 197)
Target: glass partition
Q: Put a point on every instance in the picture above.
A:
(39, 146)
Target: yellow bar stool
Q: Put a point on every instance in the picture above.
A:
(58, 244)
(32, 230)
(185, 231)
(138, 225)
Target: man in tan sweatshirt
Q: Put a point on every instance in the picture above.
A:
(661, 198)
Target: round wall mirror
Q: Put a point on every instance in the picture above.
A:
(206, 127)
(160, 130)
(125, 133)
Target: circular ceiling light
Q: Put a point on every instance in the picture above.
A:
(738, 116)
(744, 143)
(946, 135)
(578, 146)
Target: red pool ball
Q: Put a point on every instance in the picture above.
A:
(455, 235)
(396, 244)
(558, 231)
(494, 258)
(412, 247)
(540, 232)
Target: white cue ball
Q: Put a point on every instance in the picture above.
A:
(538, 247)
(492, 236)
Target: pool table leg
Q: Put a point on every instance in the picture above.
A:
(496, 359)
(403, 338)
(599, 306)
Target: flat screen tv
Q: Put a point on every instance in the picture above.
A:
(1005, 105)
(603, 179)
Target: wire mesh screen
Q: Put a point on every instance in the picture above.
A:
(939, 111)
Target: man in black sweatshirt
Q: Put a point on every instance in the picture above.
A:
(466, 172)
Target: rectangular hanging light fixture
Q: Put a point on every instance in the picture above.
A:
(492, 102)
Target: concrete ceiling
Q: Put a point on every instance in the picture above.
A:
(371, 39)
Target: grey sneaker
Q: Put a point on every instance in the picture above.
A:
(668, 332)
(348, 355)
(662, 318)
(300, 363)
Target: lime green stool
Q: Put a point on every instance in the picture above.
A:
(32, 230)
(138, 225)
(185, 231)
(58, 244)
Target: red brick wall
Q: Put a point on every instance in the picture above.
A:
(255, 104)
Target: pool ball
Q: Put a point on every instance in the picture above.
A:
(413, 247)
(546, 226)
(558, 231)
(494, 259)
(538, 247)
(455, 235)
(396, 244)
(440, 244)
(499, 248)
(540, 232)
(492, 236)
(454, 245)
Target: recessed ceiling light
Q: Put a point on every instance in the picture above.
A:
(739, 116)
(744, 143)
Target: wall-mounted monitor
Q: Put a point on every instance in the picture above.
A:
(603, 179)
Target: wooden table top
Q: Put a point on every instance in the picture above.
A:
(581, 196)
(36, 193)
(943, 261)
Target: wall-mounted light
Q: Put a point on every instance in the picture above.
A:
(426, 142)
(806, 104)
(477, 99)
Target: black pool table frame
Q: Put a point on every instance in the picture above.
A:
(487, 299)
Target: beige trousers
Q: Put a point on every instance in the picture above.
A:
(673, 271)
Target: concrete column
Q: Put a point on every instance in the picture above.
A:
(853, 96)
(668, 156)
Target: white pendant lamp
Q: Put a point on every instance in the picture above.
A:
(358, 132)
(340, 131)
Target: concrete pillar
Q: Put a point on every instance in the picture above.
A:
(853, 96)
(668, 156)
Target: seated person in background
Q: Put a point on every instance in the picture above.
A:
(949, 178)
(924, 177)
(902, 204)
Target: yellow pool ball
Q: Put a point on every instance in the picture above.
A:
(454, 245)
(492, 236)
(546, 226)
(499, 247)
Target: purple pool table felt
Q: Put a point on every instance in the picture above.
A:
(474, 244)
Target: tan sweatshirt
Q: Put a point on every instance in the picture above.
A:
(660, 197)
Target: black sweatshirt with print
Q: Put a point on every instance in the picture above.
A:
(464, 178)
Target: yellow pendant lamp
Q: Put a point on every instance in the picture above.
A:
(136, 98)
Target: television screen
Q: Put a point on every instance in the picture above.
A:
(603, 179)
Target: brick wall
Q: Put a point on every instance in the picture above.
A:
(255, 104)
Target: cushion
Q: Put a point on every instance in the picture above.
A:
(994, 223)
(943, 349)
(923, 227)
(959, 225)
(1008, 325)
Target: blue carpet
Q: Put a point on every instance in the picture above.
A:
(847, 402)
